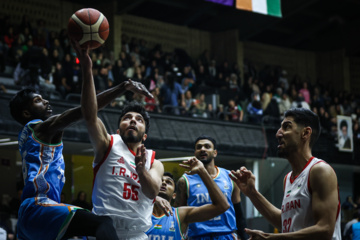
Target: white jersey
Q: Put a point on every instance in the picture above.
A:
(296, 209)
(117, 191)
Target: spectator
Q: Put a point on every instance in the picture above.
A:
(80, 201)
(234, 112)
(305, 92)
(254, 109)
(171, 95)
(299, 102)
(200, 106)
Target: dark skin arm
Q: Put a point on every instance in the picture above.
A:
(181, 197)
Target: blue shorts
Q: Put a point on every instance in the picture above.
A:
(43, 218)
(216, 236)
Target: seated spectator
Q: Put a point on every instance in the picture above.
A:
(189, 101)
(153, 104)
(171, 95)
(254, 109)
(200, 106)
(80, 201)
(299, 102)
(234, 112)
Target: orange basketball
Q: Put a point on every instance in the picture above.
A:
(89, 27)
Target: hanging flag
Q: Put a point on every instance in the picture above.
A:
(223, 2)
(267, 7)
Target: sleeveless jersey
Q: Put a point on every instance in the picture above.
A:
(117, 191)
(166, 227)
(42, 165)
(296, 210)
(198, 195)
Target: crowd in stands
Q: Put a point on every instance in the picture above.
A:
(34, 56)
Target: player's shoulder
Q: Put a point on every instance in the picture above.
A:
(321, 171)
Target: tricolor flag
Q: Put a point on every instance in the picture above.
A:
(267, 7)
(157, 226)
(132, 164)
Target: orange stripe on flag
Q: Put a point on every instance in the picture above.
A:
(244, 4)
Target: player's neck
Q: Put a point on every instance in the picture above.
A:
(133, 146)
(158, 211)
(211, 168)
(298, 161)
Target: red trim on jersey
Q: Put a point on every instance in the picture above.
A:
(133, 153)
(96, 168)
(308, 182)
(285, 180)
(152, 158)
(292, 179)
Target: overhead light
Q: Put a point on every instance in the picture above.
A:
(9, 143)
(4, 140)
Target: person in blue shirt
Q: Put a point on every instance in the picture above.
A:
(41, 215)
(191, 191)
(169, 223)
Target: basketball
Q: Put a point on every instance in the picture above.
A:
(89, 27)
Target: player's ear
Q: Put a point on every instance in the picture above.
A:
(26, 114)
(306, 133)
(215, 153)
(144, 137)
(174, 196)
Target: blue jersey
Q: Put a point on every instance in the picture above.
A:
(42, 165)
(165, 227)
(198, 195)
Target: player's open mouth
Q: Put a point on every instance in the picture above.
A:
(132, 128)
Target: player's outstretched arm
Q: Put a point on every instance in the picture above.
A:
(245, 180)
(205, 212)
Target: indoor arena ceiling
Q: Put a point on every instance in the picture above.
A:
(319, 25)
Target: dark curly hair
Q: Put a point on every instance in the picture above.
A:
(20, 102)
(139, 108)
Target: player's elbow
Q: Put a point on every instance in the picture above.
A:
(326, 232)
(223, 207)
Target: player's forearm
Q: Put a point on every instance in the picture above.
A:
(105, 97)
(269, 211)
(217, 197)
(89, 105)
(149, 186)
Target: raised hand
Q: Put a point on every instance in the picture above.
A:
(244, 179)
(137, 87)
(140, 158)
(81, 53)
(164, 205)
(193, 164)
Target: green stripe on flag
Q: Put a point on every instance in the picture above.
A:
(274, 8)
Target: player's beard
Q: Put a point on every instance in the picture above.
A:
(132, 138)
(207, 160)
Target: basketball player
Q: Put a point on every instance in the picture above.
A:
(41, 215)
(127, 178)
(192, 192)
(311, 206)
(174, 226)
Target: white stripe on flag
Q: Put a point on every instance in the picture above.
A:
(259, 6)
